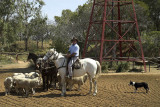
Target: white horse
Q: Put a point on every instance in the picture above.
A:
(89, 66)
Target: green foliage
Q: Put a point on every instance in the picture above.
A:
(104, 67)
(154, 12)
(22, 19)
(73, 23)
(5, 59)
(142, 4)
(60, 45)
(122, 67)
(151, 44)
(117, 66)
(15, 16)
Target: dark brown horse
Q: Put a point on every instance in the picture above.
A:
(34, 58)
(49, 74)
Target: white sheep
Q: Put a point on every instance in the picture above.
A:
(8, 83)
(27, 84)
(76, 80)
(31, 75)
(15, 74)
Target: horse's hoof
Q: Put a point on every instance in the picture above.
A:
(94, 94)
(62, 95)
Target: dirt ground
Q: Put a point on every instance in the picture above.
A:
(113, 90)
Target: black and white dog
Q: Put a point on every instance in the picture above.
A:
(138, 85)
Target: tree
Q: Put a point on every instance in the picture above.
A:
(15, 16)
(26, 11)
(39, 29)
(154, 12)
(73, 24)
(151, 43)
(7, 9)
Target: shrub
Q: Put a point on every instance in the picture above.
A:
(60, 45)
(122, 67)
(104, 67)
(6, 60)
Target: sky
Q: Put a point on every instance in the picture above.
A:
(54, 7)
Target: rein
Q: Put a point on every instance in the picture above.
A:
(55, 58)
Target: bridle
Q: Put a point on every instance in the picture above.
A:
(55, 57)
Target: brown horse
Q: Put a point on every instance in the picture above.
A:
(49, 73)
(34, 58)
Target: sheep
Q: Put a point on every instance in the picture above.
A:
(31, 75)
(16, 74)
(27, 84)
(76, 80)
(8, 83)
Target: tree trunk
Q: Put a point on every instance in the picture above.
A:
(157, 26)
(37, 43)
(26, 44)
(42, 43)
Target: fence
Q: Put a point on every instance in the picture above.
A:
(9, 54)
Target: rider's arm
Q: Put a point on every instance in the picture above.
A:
(71, 55)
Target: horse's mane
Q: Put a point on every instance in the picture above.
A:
(61, 55)
(32, 54)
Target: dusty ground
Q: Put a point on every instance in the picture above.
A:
(113, 90)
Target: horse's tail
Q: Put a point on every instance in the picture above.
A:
(98, 69)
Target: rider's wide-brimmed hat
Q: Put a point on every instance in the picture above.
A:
(74, 38)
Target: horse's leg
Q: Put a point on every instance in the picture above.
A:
(63, 86)
(95, 86)
(51, 79)
(44, 83)
(90, 79)
(47, 82)
(55, 83)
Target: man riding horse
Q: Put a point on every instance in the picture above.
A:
(73, 55)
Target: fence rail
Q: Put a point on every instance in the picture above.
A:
(13, 53)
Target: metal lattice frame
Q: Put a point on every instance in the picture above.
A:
(113, 32)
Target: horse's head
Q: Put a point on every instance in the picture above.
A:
(29, 57)
(52, 54)
(32, 56)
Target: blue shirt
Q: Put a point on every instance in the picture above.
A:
(74, 48)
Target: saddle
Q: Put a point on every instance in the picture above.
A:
(77, 64)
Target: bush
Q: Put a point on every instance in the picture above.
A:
(123, 67)
(6, 60)
(104, 67)
(60, 45)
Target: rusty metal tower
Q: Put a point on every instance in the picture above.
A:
(113, 33)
